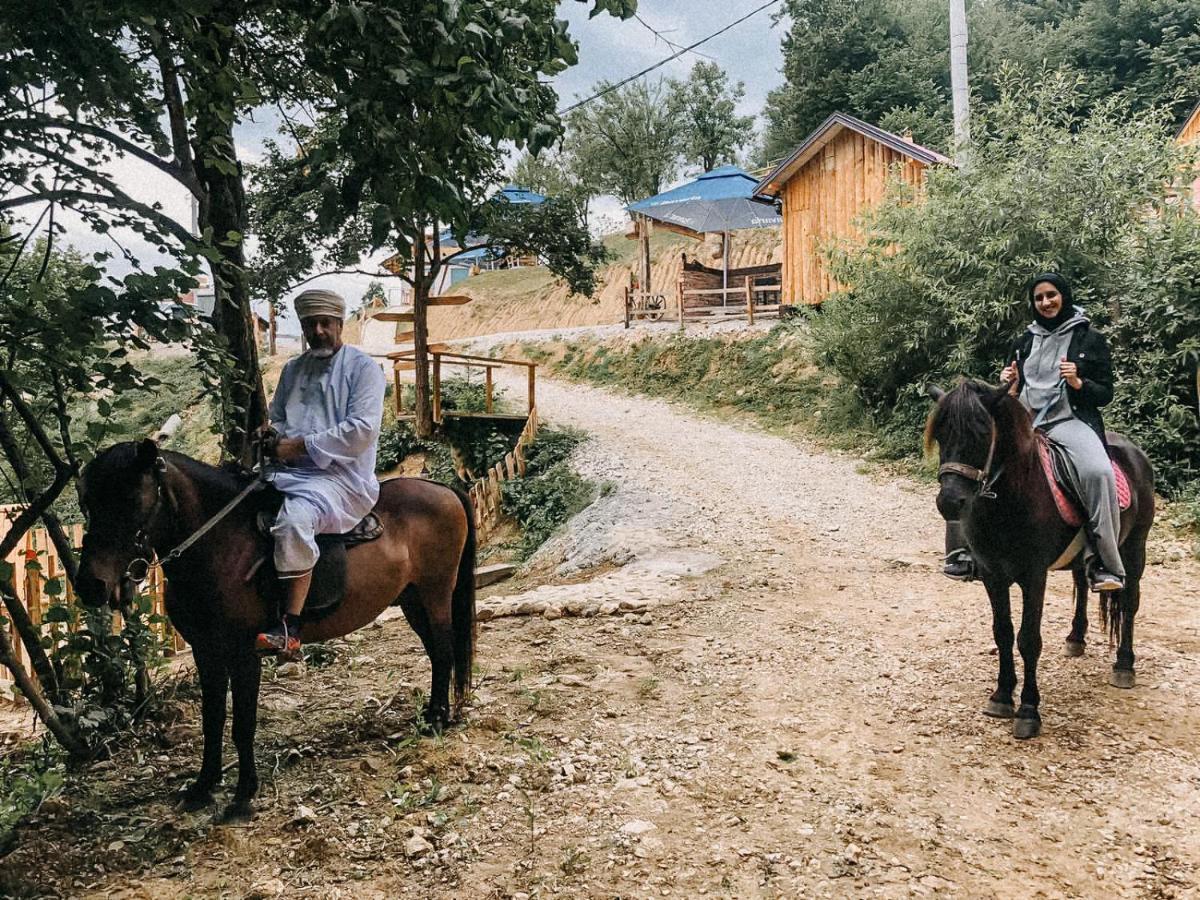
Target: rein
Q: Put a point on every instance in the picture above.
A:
(139, 568)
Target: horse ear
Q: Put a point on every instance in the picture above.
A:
(935, 393)
(147, 454)
(992, 398)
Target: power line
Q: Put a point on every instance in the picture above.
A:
(661, 63)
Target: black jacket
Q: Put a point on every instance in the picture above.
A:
(1089, 351)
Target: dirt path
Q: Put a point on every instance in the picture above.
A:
(788, 705)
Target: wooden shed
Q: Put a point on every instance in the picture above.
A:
(1189, 134)
(840, 169)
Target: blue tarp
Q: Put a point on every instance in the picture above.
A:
(510, 193)
(719, 200)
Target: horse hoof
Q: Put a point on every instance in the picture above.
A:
(1122, 678)
(1024, 729)
(237, 812)
(1075, 648)
(194, 800)
(998, 710)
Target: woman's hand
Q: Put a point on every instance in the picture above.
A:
(1070, 374)
(1009, 375)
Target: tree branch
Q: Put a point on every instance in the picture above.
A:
(119, 201)
(173, 100)
(38, 122)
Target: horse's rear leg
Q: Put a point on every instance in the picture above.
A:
(1077, 639)
(1000, 704)
(214, 678)
(431, 622)
(245, 672)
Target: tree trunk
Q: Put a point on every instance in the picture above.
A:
(63, 732)
(423, 403)
(958, 82)
(223, 209)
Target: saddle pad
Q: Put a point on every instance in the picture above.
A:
(1068, 509)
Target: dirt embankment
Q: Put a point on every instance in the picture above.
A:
(528, 299)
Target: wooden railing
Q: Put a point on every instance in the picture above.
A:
(486, 492)
(735, 302)
(39, 581)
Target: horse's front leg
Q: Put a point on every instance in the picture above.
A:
(214, 678)
(1028, 723)
(1077, 639)
(245, 672)
(1000, 704)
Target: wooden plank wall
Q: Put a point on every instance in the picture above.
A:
(821, 201)
(1190, 135)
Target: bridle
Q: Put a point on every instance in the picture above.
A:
(140, 566)
(985, 478)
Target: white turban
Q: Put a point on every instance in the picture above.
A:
(318, 302)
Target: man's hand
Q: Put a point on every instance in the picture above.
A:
(290, 450)
(1070, 373)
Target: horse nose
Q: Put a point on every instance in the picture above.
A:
(950, 504)
(91, 590)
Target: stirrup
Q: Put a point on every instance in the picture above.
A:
(278, 641)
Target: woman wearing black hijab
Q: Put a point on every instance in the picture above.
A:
(1062, 372)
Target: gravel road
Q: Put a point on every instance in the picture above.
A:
(743, 676)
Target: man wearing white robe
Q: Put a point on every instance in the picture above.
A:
(326, 411)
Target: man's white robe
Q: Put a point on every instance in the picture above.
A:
(336, 406)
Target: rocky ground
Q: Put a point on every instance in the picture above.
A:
(738, 673)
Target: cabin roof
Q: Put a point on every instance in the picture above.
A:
(828, 130)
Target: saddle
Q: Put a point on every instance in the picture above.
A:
(1056, 467)
(329, 574)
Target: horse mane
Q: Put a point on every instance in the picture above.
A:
(962, 413)
(112, 467)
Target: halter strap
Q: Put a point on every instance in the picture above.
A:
(985, 477)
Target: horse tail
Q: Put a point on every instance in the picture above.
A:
(462, 609)
(1112, 614)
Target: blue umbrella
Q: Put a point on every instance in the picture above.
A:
(719, 200)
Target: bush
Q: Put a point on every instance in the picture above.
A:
(938, 286)
(551, 491)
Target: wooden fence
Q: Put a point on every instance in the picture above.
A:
(749, 300)
(39, 581)
(486, 492)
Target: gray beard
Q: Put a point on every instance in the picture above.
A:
(321, 352)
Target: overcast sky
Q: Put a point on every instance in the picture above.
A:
(609, 49)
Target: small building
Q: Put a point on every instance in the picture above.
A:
(840, 170)
(1189, 135)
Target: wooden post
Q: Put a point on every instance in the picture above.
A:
(749, 300)
(488, 383)
(437, 387)
(679, 292)
(627, 306)
(532, 382)
(398, 390)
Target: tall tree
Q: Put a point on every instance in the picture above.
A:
(706, 104)
(627, 140)
(554, 173)
(416, 130)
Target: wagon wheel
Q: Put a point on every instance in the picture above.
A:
(656, 307)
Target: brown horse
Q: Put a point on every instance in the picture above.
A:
(141, 502)
(992, 482)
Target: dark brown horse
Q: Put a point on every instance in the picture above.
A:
(992, 482)
(140, 501)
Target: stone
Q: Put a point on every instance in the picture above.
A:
(637, 827)
(417, 846)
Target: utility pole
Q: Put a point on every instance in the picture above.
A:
(958, 81)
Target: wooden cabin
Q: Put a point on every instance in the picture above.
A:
(841, 168)
(1189, 135)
